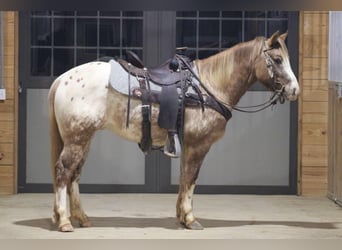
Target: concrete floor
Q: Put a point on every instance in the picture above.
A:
(146, 216)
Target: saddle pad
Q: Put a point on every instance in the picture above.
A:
(119, 78)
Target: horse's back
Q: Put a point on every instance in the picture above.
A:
(81, 94)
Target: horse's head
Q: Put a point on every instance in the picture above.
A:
(273, 68)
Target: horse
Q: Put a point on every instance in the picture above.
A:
(81, 103)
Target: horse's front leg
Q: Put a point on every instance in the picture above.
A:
(191, 162)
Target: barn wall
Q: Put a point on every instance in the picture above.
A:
(8, 108)
(313, 104)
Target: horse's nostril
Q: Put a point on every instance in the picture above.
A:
(294, 91)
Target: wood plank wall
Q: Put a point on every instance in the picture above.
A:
(8, 108)
(313, 104)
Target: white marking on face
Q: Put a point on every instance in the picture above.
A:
(292, 88)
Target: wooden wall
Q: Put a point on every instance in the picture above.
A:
(8, 108)
(313, 104)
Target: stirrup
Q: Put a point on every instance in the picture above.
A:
(172, 146)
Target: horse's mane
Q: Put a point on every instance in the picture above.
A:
(219, 67)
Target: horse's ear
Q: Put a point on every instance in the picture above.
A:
(284, 36)
(273, 40)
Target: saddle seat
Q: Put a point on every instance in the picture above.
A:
(167, 73)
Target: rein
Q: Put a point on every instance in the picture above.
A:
(277, 95)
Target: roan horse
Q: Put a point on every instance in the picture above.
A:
(81, 103)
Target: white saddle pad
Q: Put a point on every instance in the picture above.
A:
(119, 79)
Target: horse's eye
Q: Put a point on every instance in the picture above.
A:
(278, 60)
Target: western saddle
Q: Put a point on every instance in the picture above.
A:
(170, 76)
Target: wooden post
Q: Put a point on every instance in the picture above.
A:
(9, 107)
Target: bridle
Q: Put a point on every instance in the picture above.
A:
(277, 87)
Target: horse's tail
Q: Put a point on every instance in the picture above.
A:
(55, 136)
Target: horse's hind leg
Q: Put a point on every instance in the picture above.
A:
(65, 168)
(191, 162)
(76, 209)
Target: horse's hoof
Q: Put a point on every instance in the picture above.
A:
(66, 228)
(85, 224)
(195, 225)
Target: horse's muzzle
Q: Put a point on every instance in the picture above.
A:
(292, 94)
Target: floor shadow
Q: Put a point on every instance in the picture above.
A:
(44, 223)
(172, 223)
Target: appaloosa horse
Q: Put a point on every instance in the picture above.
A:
(81, 102)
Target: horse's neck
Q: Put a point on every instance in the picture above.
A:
(230, 73)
